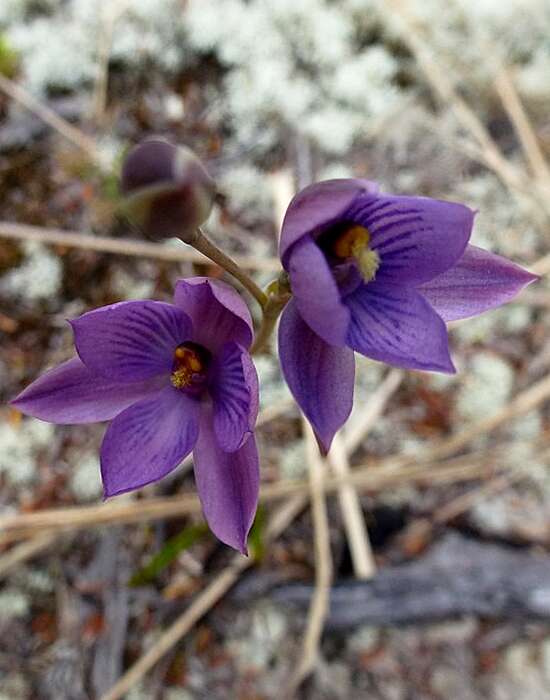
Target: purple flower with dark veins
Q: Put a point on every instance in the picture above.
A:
(378, 274)
(171, 378)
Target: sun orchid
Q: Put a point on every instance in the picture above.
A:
(378, 274)
(171, 378)
(166, 190)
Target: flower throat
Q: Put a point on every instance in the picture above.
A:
(189, 366)
(349, 241)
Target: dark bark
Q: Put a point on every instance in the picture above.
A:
(456, 577)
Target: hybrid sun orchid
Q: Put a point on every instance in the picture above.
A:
(171, 378)
(166, 190)
(378, 274)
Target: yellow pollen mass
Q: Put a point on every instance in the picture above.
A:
(354, 243)
(187, 364)
(350, 240)
(181, 378)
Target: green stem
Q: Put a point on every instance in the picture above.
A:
(204, 245)
(278, 294)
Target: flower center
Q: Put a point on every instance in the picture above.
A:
(189, 366)
(350, 240)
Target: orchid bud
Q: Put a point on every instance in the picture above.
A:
(167, 191)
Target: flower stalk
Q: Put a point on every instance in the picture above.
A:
(205, 246)
(278, 294)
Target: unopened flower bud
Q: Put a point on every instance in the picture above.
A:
(167, 191)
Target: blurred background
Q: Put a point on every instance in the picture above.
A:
(444, 99)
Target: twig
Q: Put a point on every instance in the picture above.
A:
(371, 479)
(323, 566)
(392, 470)
(524, 402)
(139, 249)
(48, 116)
(282, 190)
(362, 557)
(202, 604)
(514, 108)
(419, 531)
(18, 555)
(360, 425)
(465, 501)
(109, 18)
(541, 266)
(440, 81)
(352, 515)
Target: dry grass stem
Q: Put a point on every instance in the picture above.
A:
(514, 108)
(356, 430)
(49, 117)
(465, 501)
(541, 266)
(440, 81)
(420, 529)
(371, 479)
(323, 565)
(111, 12)
(390, 471)
(199, 607)
(139, 249)
(283, 190)
(362, 557)
(26, 550)
(524, 402)
(280, 520)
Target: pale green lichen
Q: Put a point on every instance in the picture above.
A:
(13, 604)
(85, 479)
(39, 277)
(261, 645)
(21, 445)
(293, 461)
(306, 72)
(273, 388)
(485, 388)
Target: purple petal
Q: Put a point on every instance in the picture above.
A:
(396, 325)
(416, 238)
(148, 440)
(319, 375)
(234, 390)
(478, 282)
(131, 340)
(218, 312)
(316, 292)
(317, 207)
(72, 394)
(228, 485)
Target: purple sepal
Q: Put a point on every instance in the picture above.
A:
(71, 394)
(235, 397)
(217, 312)
(228, 484)
(320, 376)
(396, 325)
(478, 282)
(416, 238)
(131, 340)
(148, 440)
(316, 293)
(317, 207)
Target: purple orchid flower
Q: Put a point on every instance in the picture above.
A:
(171, 378)
(379, 274)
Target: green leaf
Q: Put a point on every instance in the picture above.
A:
(256, 538)
(169, 553)
(8, 58)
